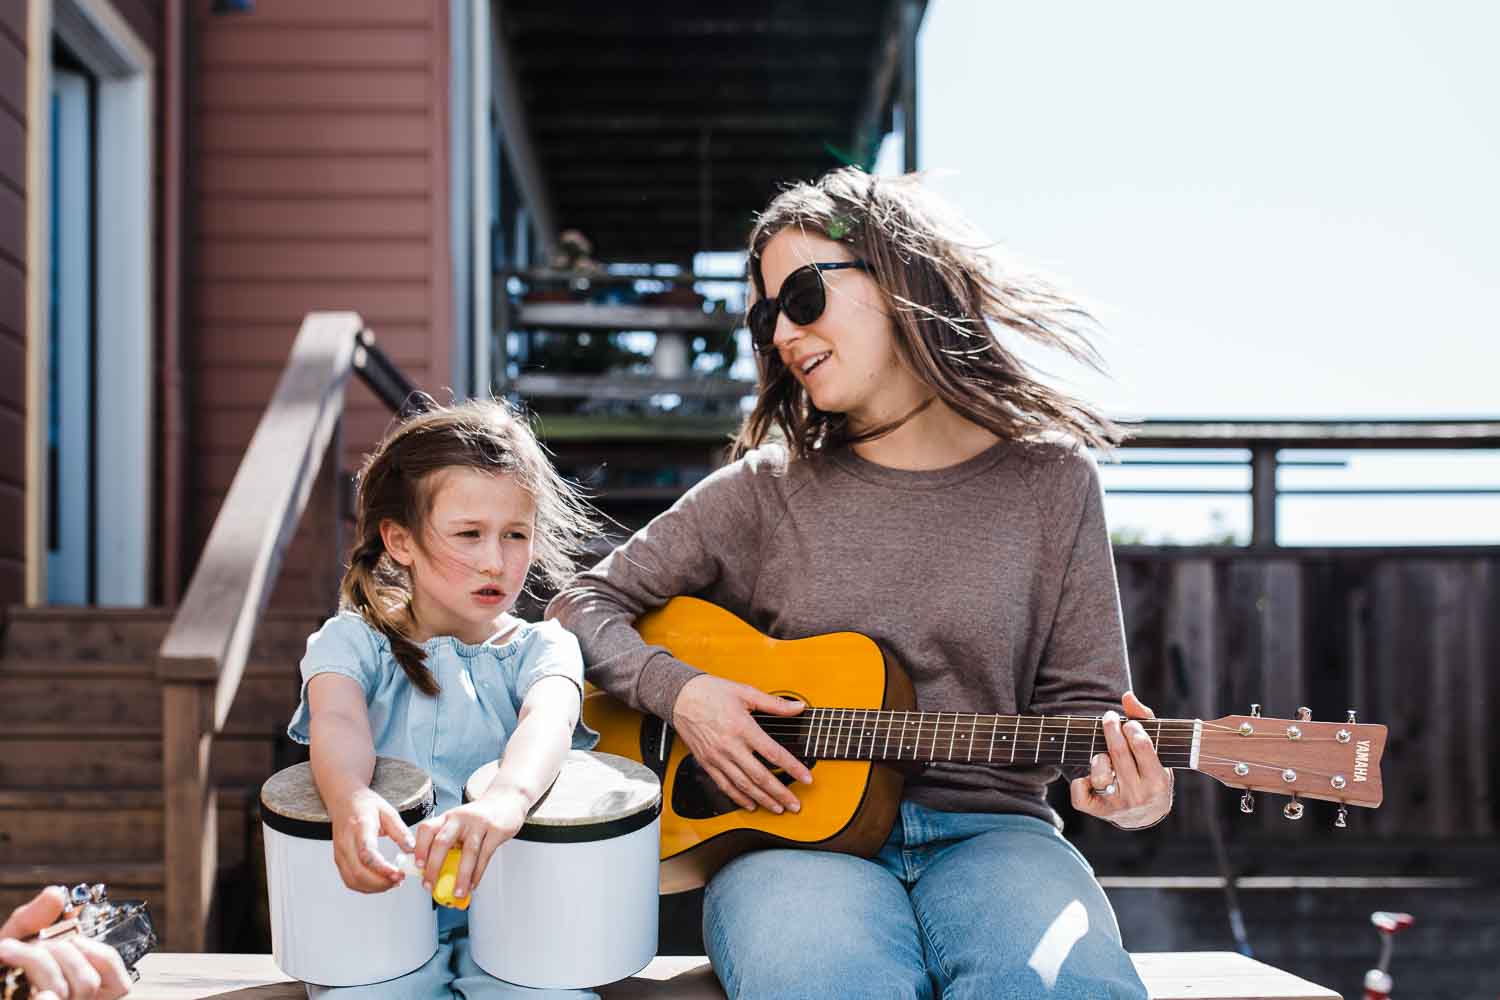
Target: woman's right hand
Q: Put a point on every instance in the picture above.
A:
(357, 826)
(713, 715)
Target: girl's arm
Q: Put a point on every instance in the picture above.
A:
(533, 755)
(343, 762)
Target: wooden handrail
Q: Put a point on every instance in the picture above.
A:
(203, 656)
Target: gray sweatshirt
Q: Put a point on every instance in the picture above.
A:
(992, 582)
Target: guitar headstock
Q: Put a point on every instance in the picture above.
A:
(125, 927)
(1334, 761)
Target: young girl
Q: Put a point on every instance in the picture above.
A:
(425, 662)
(903, 474)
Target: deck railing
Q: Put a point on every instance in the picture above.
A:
(202, 658)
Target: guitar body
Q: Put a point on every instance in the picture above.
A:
(851, 805)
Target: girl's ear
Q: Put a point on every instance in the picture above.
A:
(398, 542)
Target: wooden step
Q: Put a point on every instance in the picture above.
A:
(102, 698)
(135, 634)
(39, 826)
(54, 759)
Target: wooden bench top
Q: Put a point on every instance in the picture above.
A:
(1171, 975)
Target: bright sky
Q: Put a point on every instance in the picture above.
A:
(1285, 210)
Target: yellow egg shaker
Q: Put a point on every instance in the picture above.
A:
(442, 886)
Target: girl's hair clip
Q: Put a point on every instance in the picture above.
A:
(839, 227)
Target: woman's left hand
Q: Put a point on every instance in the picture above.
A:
(479, 827)
(1128, 786)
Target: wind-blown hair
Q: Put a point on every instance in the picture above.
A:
(395, 484)
(947, 297)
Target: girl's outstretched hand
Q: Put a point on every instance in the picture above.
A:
(357, 826)
(479, 827)
(1128, 786)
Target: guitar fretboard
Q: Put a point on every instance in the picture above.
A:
(876, 734)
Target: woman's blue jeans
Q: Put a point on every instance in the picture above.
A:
(956, 905)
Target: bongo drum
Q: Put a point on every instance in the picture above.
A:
(571, 901)
(322, 931)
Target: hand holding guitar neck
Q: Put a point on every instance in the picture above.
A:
(1127, 784)
(72, 944)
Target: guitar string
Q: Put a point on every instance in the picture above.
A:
(849, 723)
(888, 716)
(1177, 758)
(1183, 761)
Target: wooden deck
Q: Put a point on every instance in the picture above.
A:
(1200, 975)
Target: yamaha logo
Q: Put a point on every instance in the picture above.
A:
(1362, 760)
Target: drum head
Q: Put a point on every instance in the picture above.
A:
(596, 796)
(290, 802)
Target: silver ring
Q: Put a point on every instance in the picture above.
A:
(1108, 789)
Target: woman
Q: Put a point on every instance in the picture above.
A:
(904, 475)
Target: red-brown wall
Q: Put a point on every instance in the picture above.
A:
(318, 172)
(12, 301)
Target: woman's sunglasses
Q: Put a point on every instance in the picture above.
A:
(802, 297)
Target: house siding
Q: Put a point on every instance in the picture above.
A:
(319, 176)
(13, 48)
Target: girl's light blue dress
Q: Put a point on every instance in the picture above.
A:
(450, 737)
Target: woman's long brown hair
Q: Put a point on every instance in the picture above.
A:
(944, 292)
(394, 485)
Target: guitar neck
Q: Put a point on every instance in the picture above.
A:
(879, 735)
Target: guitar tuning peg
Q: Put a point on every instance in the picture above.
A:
(1351, 717)
(1304, 714)
(1293, 809)
(79, 894)
(1247, 803)
(1254, 710)
(1341, 821)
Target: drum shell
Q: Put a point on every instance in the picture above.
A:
(568, 915)
(325, 933)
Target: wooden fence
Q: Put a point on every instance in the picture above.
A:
(1410, 638)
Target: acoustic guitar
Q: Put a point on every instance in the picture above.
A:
(125, 927)
(862, 723)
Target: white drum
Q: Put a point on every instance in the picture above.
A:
(322, 931)
(571, 901)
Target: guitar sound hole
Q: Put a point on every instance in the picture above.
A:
(696, 796)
